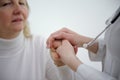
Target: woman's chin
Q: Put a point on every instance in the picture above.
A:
(18, 29)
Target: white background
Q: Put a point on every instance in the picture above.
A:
(86, 17)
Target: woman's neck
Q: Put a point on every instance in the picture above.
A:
(9, 47)
(9, 35)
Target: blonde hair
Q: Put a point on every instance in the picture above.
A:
(26, 30)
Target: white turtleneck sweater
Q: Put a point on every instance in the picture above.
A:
(28, 59)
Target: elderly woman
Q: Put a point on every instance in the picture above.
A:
(23, 56)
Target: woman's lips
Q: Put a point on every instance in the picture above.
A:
(17, 20)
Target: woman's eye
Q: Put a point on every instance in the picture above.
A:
(5, 4)
(21, 3)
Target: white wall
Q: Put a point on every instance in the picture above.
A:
(86, 17)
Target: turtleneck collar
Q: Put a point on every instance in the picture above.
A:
(9, 47)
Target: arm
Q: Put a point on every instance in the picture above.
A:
(74, 38)
(85, 72)
(67, 55)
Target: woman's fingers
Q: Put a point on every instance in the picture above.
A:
(56, 58)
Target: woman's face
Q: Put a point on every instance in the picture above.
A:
(13, 15)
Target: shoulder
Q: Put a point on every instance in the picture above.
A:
(39, 42)
(37, 45)
(39, 39)
(36, 42)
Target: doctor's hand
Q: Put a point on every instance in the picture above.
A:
(67, 55)
(75, 39)
(66, 34)
(55, 56)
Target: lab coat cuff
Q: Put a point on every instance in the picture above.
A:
(84, 71)
(100, 53)
(66, 73)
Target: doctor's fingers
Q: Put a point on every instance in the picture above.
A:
(60, 33)
(55, 36)
(72, 38)
(58, 43)
(65, 48)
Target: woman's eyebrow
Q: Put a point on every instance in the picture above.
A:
(4, 0)
(23, 0)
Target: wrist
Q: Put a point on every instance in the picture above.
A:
(74, 64)
(83, 40)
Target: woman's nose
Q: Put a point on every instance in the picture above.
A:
(17, 9)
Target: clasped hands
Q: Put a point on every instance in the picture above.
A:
(62, 51)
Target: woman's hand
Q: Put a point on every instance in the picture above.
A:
(55, 56)
(67, 55)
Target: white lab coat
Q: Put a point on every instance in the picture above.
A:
(108, 53)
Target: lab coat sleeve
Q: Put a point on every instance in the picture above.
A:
(88, 73)
(99, 56)
(66, 73)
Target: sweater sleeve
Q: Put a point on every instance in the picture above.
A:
(99, 56)
(58, 73)
(89, 73)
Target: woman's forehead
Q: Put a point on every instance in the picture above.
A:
(11, 0)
